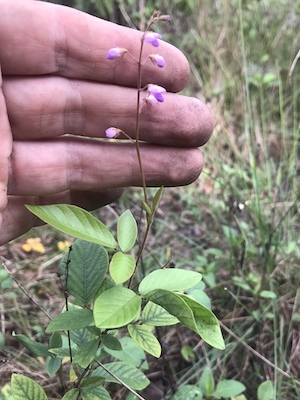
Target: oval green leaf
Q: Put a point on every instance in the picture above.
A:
(121, 267)
(126, 231)
(171, 279)
(116, 307)
(155, 315)
(26, 388)
(87, 265)
(228, 388)
(145, 339)
(71, 320)
(128, 374)
(76, 222)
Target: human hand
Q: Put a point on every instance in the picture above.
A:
(57, 81)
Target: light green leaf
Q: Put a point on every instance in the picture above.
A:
(228, 388)
(190, 313)
(126, 231)
(267, 294)
(171, 279)
(75, 222)
(265, 391)
(207, 323)
(145, 339)
(188, 392)
(53, 365)
(116, 307)
(207, 382)
(70, 320)
(36, 348)
(87, 266)
(95, 394)
(155, 315)
(121, 267)
(62, 351)
(130, 375)
(71, 395)
(24, 388)
(86, 353)
(131, 353)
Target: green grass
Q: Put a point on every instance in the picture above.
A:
(239, 224)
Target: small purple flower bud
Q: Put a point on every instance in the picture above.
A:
(157, 60)
(115, 52)
(150, 99)
(156, 91)
(152, 37)
(112, 132)
(164, 18)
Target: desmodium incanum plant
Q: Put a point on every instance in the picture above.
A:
(106, 305)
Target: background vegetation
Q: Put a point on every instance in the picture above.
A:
(238, 225)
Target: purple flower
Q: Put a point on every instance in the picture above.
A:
(150, 99)
(157, 60)
(152, 37)
(115, 52)
(112, 132)
(156, 91)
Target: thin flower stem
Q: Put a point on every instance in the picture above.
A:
(137, 127)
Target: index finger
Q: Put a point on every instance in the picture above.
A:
(38, 38)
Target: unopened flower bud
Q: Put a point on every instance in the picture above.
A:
(112, 132)
(152, 37)
(157, 60)
(164, 18)
(115, 52)
(156, 91)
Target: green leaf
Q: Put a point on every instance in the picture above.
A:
(70, 320)
(111, 342)
(36, 348)
(55, 340)
(228, 388)
(190, 313)
(156, 199)
(126, 231)
(187, 353)
(188, 392)
(62, 351)
(131, 353)
(130, 375)
(116, 307)
(86, 270)
(71, 395)
(92, 382)
(95, 394)
(267, 294)
(207, 323)
(265, 391)
(86, 353)
(207, 382)
(171, 279)
(145, 339)
(52, 365)
(24, 388)
(75, 222)
(155, 315)
(121, 267)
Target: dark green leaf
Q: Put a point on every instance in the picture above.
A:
(70, 320)
(36, 348)
(85, 270)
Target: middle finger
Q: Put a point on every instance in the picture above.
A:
(47, 107)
